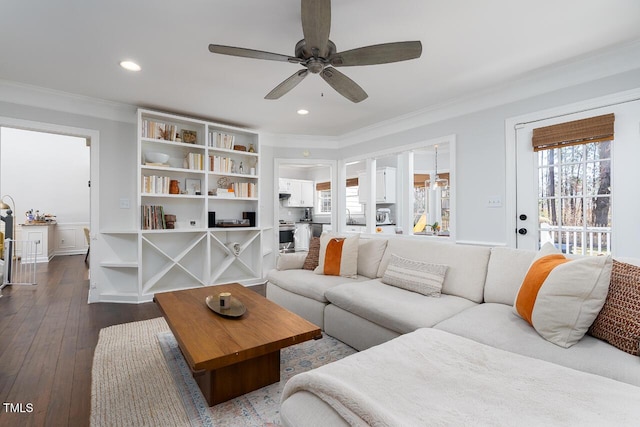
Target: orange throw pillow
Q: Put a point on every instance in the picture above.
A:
(561, 297)
(338, 255)
(533, 281)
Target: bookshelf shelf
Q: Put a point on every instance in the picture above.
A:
(172, 196)
(119, 264)
(172, 169)
(233, 175)
(173, 144)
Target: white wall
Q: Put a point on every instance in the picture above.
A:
(45, 172)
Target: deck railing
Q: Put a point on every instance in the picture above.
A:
(578, 240)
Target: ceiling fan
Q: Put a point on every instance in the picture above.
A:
(318, 54)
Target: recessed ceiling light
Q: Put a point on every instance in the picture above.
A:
(303, 112)
(130, 65)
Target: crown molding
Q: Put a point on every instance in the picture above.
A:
(584, 69)
(40, 97)
(299, 141)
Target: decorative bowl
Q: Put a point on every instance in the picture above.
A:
(155, 157)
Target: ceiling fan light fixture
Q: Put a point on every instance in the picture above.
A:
(318, 54)
(130, 65)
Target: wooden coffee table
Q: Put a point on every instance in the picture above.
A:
(231, 357)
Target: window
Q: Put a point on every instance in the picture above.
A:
(324, 201)
(353, 202)
(574, 184)
(574, 197)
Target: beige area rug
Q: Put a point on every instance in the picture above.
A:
(140, 378)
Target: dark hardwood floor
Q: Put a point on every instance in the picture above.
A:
(48, 334)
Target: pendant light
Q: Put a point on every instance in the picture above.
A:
(438, 182)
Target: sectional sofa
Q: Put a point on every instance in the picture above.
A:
(476, 303)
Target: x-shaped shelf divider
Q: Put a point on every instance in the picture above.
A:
(231, 257)
(173, 262)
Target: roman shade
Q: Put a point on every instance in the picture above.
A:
(352, 182)
(584, 131)
(323, 186)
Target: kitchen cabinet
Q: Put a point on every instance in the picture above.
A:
(301, 192)
(284, 185)
(385, 186)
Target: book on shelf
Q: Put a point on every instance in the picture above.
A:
(155, 184)
(221, 140)
(158, 130)
(225, 193)
(244, 189)
(220, 164)
(153, 218)
(195, 161)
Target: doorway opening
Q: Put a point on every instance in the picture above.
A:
(47, 175)
(306, 200)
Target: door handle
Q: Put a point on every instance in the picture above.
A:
(522, 231)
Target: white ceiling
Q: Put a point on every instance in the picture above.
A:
(468, 46)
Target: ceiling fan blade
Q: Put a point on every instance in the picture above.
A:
(250, 53)
(316, 24)
(287, 85)
(343, 85)
(377, 54)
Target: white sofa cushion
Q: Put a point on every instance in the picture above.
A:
(505, 273)
(370, 254)
(307, 283)
(497, 326)
(467, 264)
(394, 308)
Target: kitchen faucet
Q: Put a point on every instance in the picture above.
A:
(349, 221)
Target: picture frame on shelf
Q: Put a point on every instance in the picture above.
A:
(193, 186)
(189, 136)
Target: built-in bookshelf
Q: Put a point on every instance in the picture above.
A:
(197, 197)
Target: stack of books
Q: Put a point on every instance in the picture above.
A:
(157, 130)
(221, 140)
(225, 193)
(195, 161)
(220, 164)
(244, 189)
(153, 218)
(155, 184)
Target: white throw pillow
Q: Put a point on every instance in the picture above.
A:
(416, 276)
(292, 261)
(338, 255)
(370, 254)
(561, 297)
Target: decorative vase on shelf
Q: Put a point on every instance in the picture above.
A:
(174, 187)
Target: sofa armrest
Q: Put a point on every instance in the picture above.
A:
(292, 261)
